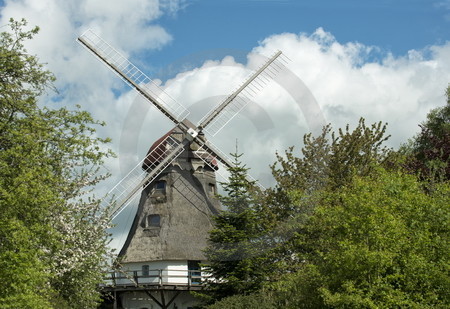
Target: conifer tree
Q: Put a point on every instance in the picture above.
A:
(235, 253)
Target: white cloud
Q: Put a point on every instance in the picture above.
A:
(129, 25)
(341, 77)
(397, 90)
(344, 81)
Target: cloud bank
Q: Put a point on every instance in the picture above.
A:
(347, 80)
(344, 80)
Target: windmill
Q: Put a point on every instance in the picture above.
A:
(177, 182)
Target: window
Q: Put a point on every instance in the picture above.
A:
(153, 221)
(160, 185)
(151, 225)
(212, 188)
(145, 270)
(158, 192)
(195, 272)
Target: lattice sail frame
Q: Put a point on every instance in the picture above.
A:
(134, 77)
(138, 178)
(225, 111)
(209, 157)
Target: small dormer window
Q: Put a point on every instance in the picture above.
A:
(153, 221)
(158, 192)
(160, 185)
(212, 188)
(151, 225)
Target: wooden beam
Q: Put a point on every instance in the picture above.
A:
(115, 300)
(154, 299)
(162, 303)
(173, 298)
(163, 300)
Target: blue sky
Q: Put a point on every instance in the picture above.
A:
(394, 26)
(385, 60)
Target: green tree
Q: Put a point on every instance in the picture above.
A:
(349, 229)
(378, 242)
(328, 160)
(257, 300)
(429, 151)
(53, 237)
(235, 252)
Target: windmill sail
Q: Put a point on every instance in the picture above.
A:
(133, 76)
(212, 123)
(138, 178)
(219, 116)
(177, 181)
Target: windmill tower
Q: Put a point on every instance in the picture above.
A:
(177, 185)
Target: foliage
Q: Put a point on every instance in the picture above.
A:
(235, 252)
(52, 235)
(328, 160)
(429, 151)
(353, 234)
(23, 274)
(332, 158)
(378, 242)
(347, 228)
(252, 301)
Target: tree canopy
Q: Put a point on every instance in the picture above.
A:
(378, 242)
(53, 238)
(429, 151)
(347, 226)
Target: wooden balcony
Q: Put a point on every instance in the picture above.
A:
(155, 279)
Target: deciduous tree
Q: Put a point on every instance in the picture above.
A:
(328, 160)
(52, 234)
(429, 152)
(378, 242)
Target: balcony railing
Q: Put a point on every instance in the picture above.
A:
(156, 278)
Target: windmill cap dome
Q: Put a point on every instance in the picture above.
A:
(157, 152)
